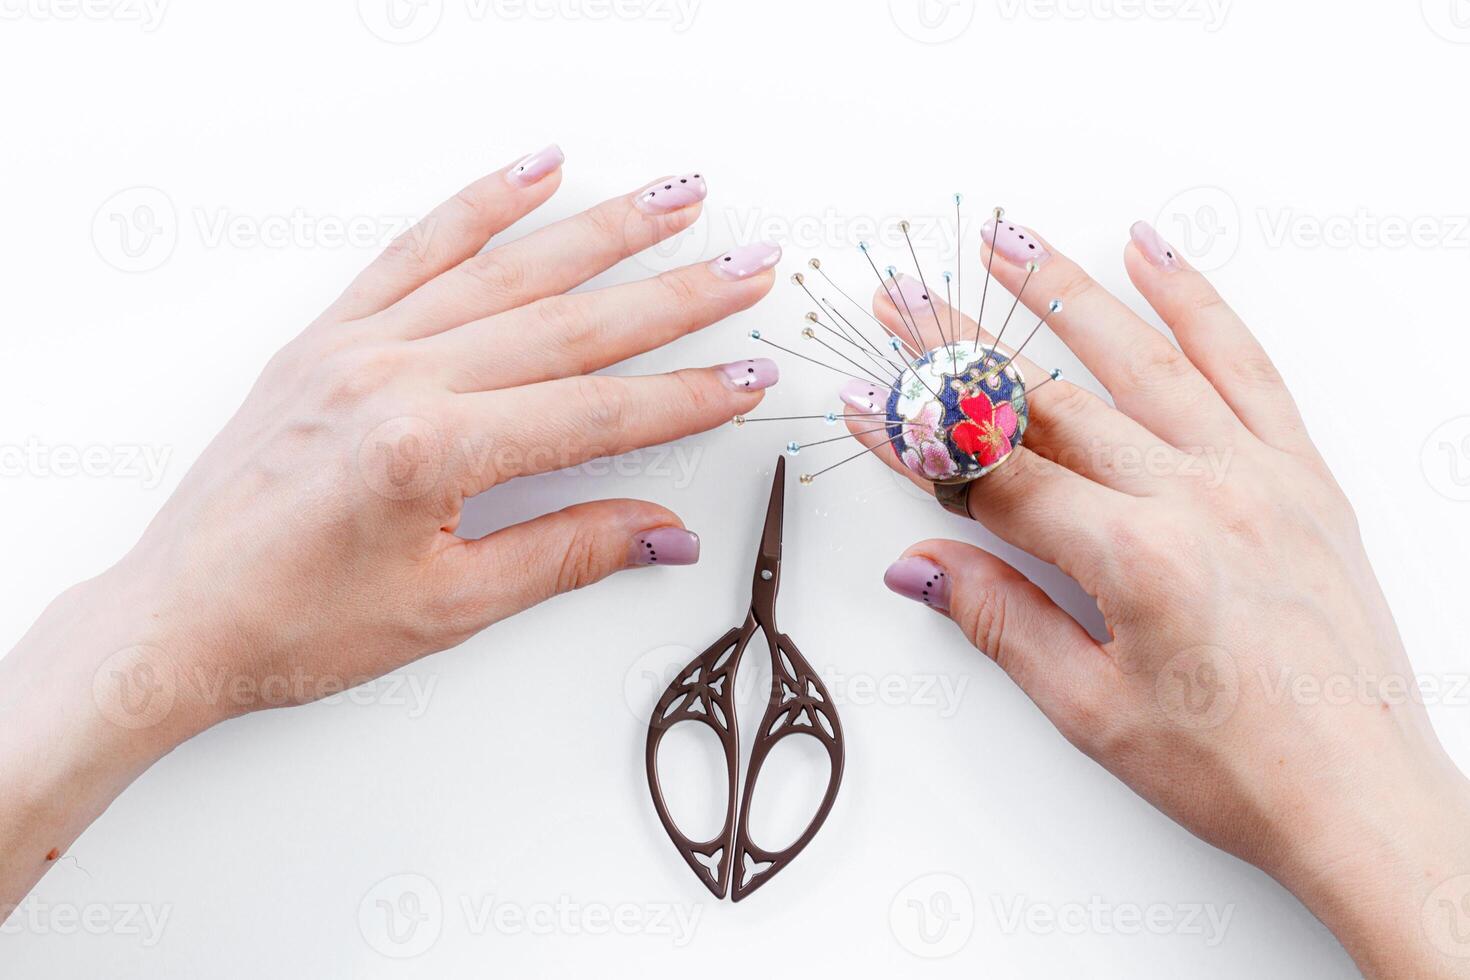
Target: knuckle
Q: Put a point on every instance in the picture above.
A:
(1076, 284)
(696, 394)
(1150, 560)
(474, 203)
(498, 274)
(559, 322)
(603, 402)
(985, 623)
(444, 610)
(1085, 721)
(679, 290)
(603, 224)
(579, 565)
(410, 248)
(349, 377)
(1256, 370)
(1071, 404)
(1152, 362)
(1205, 304)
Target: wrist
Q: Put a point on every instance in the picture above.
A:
(1389, 875)
(88, 706)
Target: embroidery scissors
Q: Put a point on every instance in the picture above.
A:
(704, 692)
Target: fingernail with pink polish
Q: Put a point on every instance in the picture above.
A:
(671, 195)
(1014, 243)
(921, 580)
(911, 291)
(747, 260)
(664, 546)
(864, 396)
(753, 375)
(1160, 254)
(535, 166)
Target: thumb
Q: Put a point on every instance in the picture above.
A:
(1011, 620)
(525, 564)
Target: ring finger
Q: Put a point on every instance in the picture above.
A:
(1068, 425)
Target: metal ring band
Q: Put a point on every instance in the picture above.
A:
(954, 497)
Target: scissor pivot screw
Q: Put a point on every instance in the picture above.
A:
(766, 574)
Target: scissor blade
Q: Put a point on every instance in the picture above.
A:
(775, 514)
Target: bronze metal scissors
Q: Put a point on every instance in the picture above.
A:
(704, 691)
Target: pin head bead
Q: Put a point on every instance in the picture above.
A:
(903, 226)
(812, 317)
(797, 278)
(814, 263)
(892, 272)
(739, 420)
(755, 335)
(792, 448)
(806, 479)
(809, 333)
(862, 246)
(959, 199)
(1055, 306)
(1031, 267)
(895, 343)
(946, 276)
(831, 418)
(999, 213)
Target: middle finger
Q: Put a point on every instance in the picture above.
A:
(579, 333)
(549, 261)
(1148, 377)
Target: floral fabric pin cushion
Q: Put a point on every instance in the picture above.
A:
(957, 413)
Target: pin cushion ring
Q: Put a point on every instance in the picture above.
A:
(956, 414)
(950, 413)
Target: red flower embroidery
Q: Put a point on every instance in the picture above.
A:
(986, 432)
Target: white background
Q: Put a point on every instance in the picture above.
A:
(1285, 146)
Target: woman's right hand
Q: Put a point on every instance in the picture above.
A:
(1255, 687)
